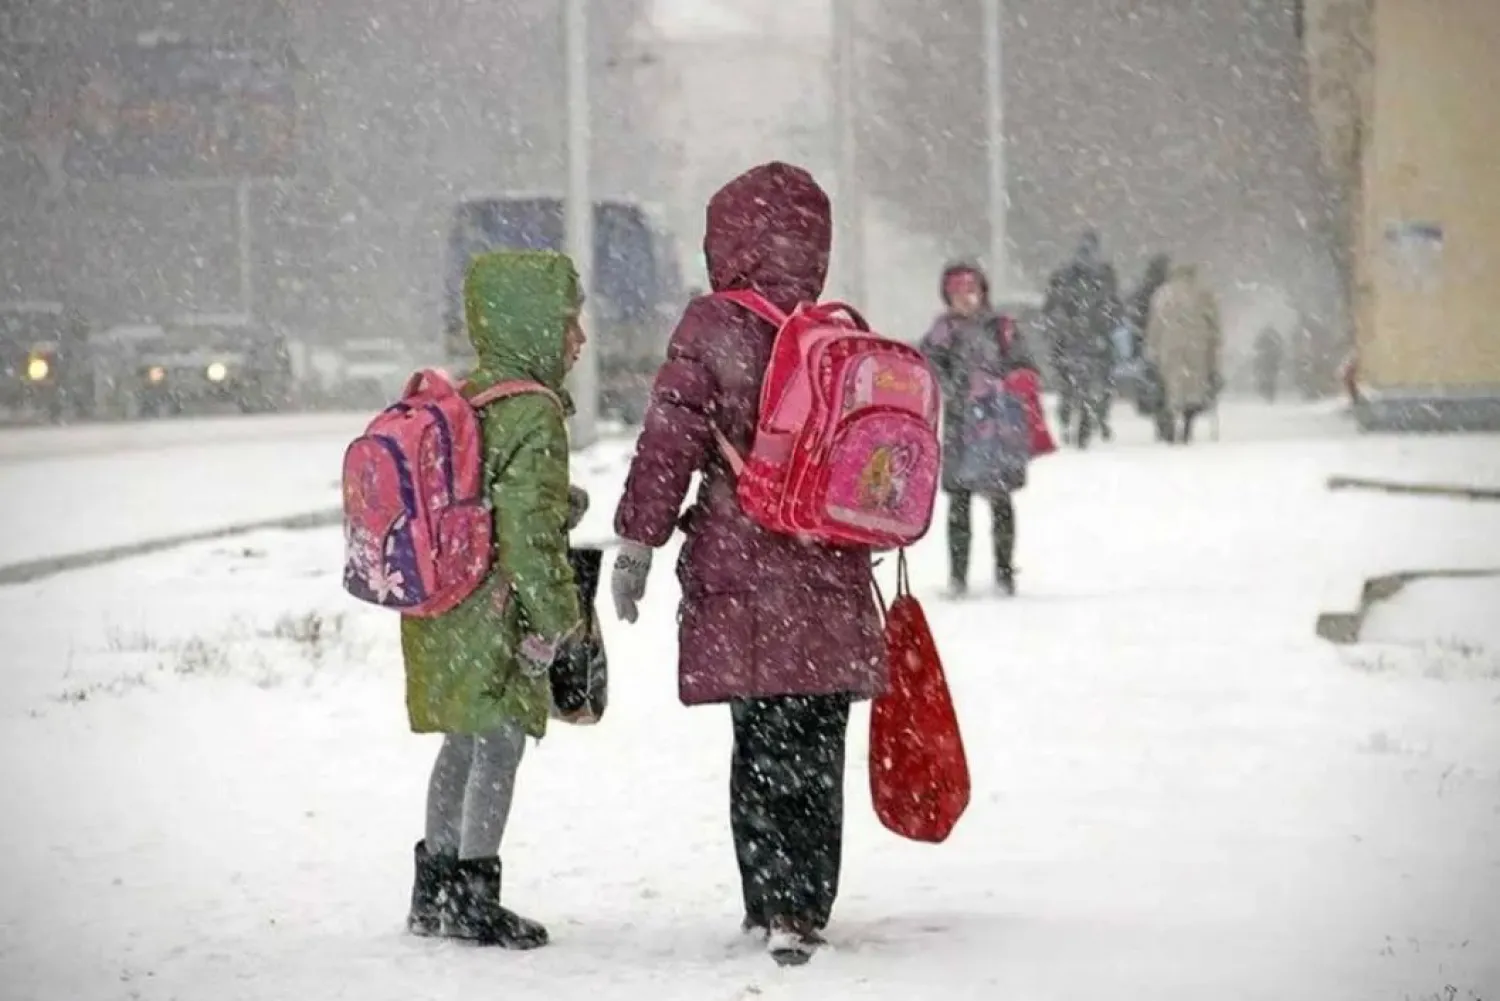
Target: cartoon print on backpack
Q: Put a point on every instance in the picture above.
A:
(883, 481)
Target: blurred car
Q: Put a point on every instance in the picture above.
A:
(116, 353)
(203, 362)
(374, 371)
(44, 363)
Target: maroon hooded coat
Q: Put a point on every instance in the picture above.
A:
(762, 614)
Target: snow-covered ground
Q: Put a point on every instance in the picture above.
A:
(72, 490)
(1179, 791)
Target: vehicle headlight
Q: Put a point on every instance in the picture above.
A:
(156, 374)
(37, 368)
(217, 372)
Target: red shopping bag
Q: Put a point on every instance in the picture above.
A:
(919, 776)
(1027, 387)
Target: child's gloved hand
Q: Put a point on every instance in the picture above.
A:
(578, 506)
(627, 583)
(538, 652)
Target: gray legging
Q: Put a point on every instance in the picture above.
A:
(469, 795)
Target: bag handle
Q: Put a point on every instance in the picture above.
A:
(428, 381)
(829, 310)
(903, 583)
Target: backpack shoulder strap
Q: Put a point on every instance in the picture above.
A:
(755, 303)
(1006, 330)
(511, 387)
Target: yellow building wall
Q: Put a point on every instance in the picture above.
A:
(1432, 318)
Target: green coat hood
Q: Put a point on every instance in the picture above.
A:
(517, 303)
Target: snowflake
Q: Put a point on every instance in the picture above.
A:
(386, 582)
(367, 562)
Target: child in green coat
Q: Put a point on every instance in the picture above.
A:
(479, 674)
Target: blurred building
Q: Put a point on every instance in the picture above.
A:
(297, 160)
(734, 83)
(1404, 94)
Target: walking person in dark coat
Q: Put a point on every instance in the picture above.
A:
(1150, 399)
(785, 631)
(1269, 353)
(1081, 309)
(1138, 305)
(967, 342)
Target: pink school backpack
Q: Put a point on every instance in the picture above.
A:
(418, 529)
(846, 448)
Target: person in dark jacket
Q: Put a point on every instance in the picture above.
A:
(1138, 306)
(1149, 397)
(1270, 350)
(784, 631)
(1081, 309)
(970, 341)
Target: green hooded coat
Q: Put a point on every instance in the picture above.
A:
(465, 672)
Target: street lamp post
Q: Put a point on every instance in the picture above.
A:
(850, 247)
(579, 213)
(994, 90)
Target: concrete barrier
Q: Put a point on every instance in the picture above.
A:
(1344, 627)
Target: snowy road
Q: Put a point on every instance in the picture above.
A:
(1179, 792)
(70, 490)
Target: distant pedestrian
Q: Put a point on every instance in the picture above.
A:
(1081, 310)
(1269, 353)
(970, 343)
(1184, 342)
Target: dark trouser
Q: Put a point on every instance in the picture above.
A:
(961, 533)
(1090, 399)
(1167, 428)
(1069, 402)
(786, 804)
(1103, 402)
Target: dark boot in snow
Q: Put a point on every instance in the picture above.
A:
(792, 941)
(1005, 579)
(432, 892)
(754, 927)
(480, 919)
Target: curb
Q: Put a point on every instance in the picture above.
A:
(1343, 628)
(34, 570)
(51, 566)
(1455, 491)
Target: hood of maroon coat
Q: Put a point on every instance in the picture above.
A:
(770, 229)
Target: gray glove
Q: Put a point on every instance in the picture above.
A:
(578, 506)
(628, 581)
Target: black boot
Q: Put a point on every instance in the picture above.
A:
(1005, 579)
(479, 918)
(792, 941)
(433, 893)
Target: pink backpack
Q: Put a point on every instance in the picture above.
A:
(418, 529)
(846, 448)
